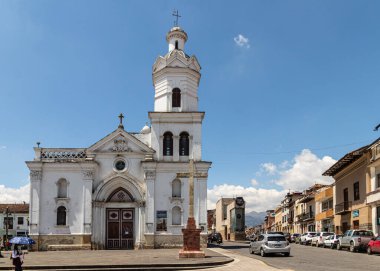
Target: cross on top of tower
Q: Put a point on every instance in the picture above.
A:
(121, 117)
(176, 14)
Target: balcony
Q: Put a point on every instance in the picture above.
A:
(306, 216)
(343, 208)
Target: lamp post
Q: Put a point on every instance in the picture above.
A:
(6, 225)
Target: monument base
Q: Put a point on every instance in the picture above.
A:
(191, 254)
(191, 241)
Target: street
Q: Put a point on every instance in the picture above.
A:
(312, 258)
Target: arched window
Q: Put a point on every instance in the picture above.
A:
(61, 215)
(184, 144)
(176, 97)
(176, 44)
(176, 189)
(168, 144)
(176, 216)
(62, 188)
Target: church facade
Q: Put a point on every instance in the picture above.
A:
(128, 190)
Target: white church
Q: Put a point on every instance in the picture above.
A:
(128, 190)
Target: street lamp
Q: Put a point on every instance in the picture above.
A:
(6, 222)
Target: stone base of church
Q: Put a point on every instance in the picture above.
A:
(61, 242)
(238, 236)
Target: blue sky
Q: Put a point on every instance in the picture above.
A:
(302, 81)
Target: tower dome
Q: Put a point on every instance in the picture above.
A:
(176, 38)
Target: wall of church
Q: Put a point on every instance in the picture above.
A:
(49, 202)
(106, 169)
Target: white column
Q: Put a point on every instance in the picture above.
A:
(372, 171)
(35, 192)
(87, 201)
(175, 148)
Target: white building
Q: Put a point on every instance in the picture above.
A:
(124, 191)
(14, 220)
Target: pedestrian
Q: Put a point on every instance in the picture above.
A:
(17, 258)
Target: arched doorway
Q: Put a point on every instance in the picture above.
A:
(118, 214)
(120, 221)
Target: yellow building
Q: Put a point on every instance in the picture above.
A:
(324, 209)
(351, 188)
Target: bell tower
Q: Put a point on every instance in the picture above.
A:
(176, 121)
(176, 76)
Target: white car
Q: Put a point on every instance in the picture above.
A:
(306, 237)
(332, 240)
(269, 244)
(319, 238)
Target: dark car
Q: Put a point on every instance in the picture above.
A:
(275, 232)
(215, 237)
(294, 237)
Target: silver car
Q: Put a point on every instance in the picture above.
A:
(268, 244)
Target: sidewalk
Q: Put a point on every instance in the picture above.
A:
(148, 259)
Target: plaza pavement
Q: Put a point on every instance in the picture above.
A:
(148, 259)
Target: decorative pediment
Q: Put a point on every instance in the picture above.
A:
(120, 141)
(176, 58)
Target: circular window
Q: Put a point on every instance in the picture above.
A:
(120, 165)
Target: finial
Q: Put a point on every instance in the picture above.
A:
(38, 144)
(121, 116)
(175, 14)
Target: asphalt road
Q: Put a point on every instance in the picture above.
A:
(313, 259)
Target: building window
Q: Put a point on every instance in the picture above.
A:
(176, 189)
(20, 221)
(62, 188)
(176, 44)
(356, 191)
(8, 221)
(176, 97)
(168, 144)
(61, 215)
(176, 216)
(224, 212)
(378, 215)
(184, 144)
(378, 181)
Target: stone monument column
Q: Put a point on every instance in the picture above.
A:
(191, 235)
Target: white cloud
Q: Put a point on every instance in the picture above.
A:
(300, 173)
(254, 182)
(14, 195)
(269, 168)
(242, 41)
(3, 147)
(305, 170)
(257, 199)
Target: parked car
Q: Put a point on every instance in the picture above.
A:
(319, 238)
(214, 237)
(293, 237)
(306, 237)
(374, 246)
(287, 236)
(332, 240)
(355, 240)
(269, 244)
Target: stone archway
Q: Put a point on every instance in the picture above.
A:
(118, 214)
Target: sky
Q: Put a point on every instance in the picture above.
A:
(288, 87)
